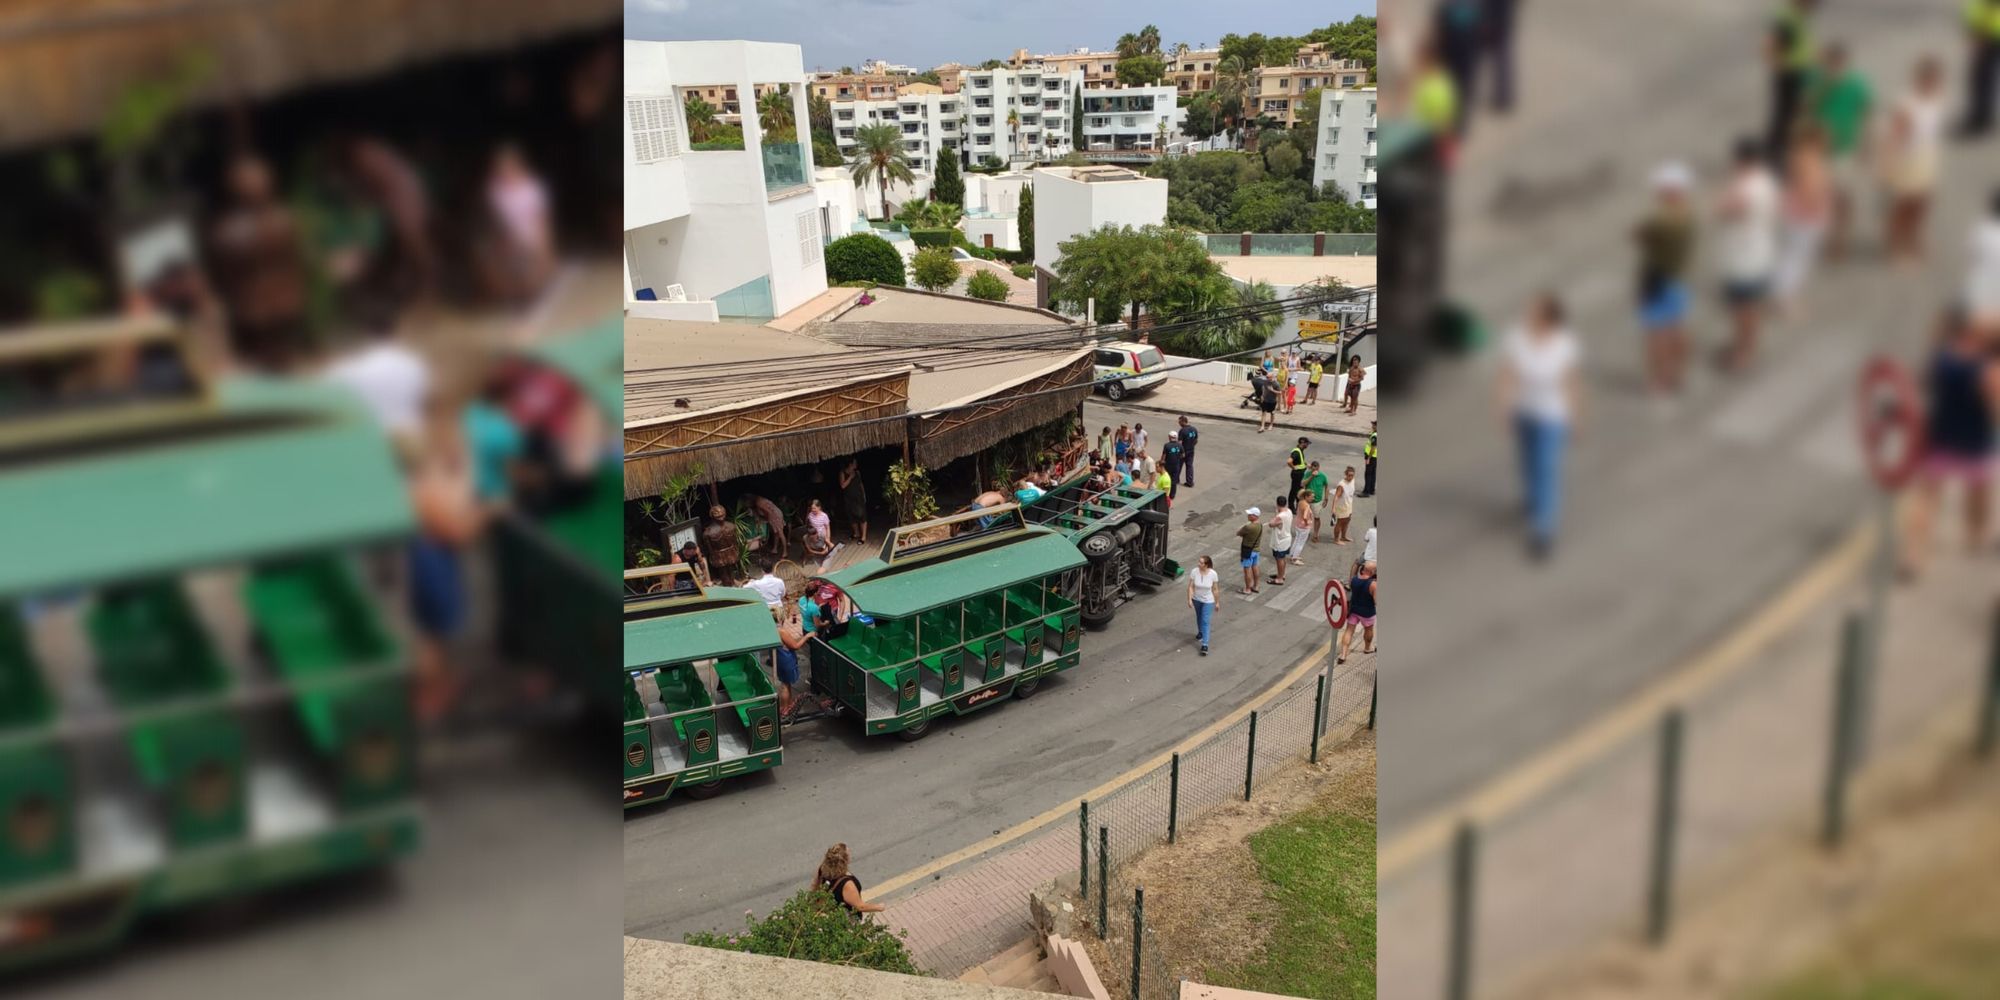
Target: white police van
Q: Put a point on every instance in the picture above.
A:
(1124, 368)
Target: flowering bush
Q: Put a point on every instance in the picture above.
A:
(812, 926)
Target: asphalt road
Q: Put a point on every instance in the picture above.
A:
(1679, 522)
(698, 865)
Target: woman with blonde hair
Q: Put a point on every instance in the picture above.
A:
(834, 877)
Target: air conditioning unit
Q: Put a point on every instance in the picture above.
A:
(676, 293)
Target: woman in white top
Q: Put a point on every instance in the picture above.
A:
(1538, 388)
(1343, 505)
(1304, 525)
(1201, 597)
(1915, 151)
(1807, 212)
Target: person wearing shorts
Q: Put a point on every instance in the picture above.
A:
(1360, 611)
(1249, 537)
(1355, 376)
(791, 639)
(1666, 246)
(1962, 387)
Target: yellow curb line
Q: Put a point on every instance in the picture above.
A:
(1014, 832)
(1507, 792)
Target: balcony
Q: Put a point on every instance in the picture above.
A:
(982, 83)
(785, 165)
(910, 109)
(982, 102)
(1053, 86)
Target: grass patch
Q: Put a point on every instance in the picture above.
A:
(1936, 938)
(1319, 868)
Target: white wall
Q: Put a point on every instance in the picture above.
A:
(703, 311)
(834, 189)
(1344, 113)
(731, 231)
(996, 193)
(1006, 235)
(654, 192)
(1062, 210)
(870, 195)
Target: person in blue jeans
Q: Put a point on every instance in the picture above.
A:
(1201, 597)
(1539, 390)
(1188, 436)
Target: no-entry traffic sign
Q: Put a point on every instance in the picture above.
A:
(1335, 599)
(1892, 422)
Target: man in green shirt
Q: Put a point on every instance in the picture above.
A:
(1840, 102)
(1316, 485)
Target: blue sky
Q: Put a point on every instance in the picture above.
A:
(923, 33)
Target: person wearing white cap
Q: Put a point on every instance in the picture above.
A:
(1666, 243)
(1249, 537)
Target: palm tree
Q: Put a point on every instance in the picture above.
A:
(700, 118)
(1013, 127)
(878, 152)
(1128, 45)
(1149, 40)
(1232, 85)
(774, 114)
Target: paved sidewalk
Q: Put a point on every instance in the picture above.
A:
(1202, 400)
(980, 908)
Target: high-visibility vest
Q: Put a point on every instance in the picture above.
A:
(1369, 450)
(1983, 17)
(1298, 459)
(1435, 103)
(1800, 55)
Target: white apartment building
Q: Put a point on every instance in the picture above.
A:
(1344, 152)
(1019, 114)
(932, 125)
(1070, 201)
(1130, 118)
(718, 233)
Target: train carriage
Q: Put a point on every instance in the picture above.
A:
(700, 703)
(955, 613)
(198, 696)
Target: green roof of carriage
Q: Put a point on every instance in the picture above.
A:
(721, 622)
(323, 476)
(901, 591)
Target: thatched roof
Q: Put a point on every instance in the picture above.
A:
(62, 64)
(689, 384)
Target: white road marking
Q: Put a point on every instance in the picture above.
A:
(1760, 412)
(1299, 586)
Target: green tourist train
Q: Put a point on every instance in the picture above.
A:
(198, 696)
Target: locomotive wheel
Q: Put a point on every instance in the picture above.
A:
(914, 733)
(699, 792)
(1092, 621)
(1026, 689)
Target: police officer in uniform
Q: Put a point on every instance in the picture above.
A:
(1792, 54)
(1982, 23)
(1368, 453)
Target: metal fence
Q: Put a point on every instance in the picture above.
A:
(1504, 899)
(1291, 244)
(1154, 808)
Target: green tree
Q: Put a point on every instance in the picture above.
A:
(1013, 127)
(986, 285)
(819, 115)
(1024, 220)
(1187, 214)
(700, 117)
(1306, 111)
(1245, 49)
(1149, 40)
(1283, 160)
(1279, 51)
(934, 269)
(1208, 321)
(774, 115)
(826, 153)
(1140, 70)
(1354, 39)
(878, 153)
(1076, 119)
(929, 76)
(992, 64)
(1120, 266)
(1232, 91)
(1202, 118)
(812, 926)
(863, 257)
(949, 187)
